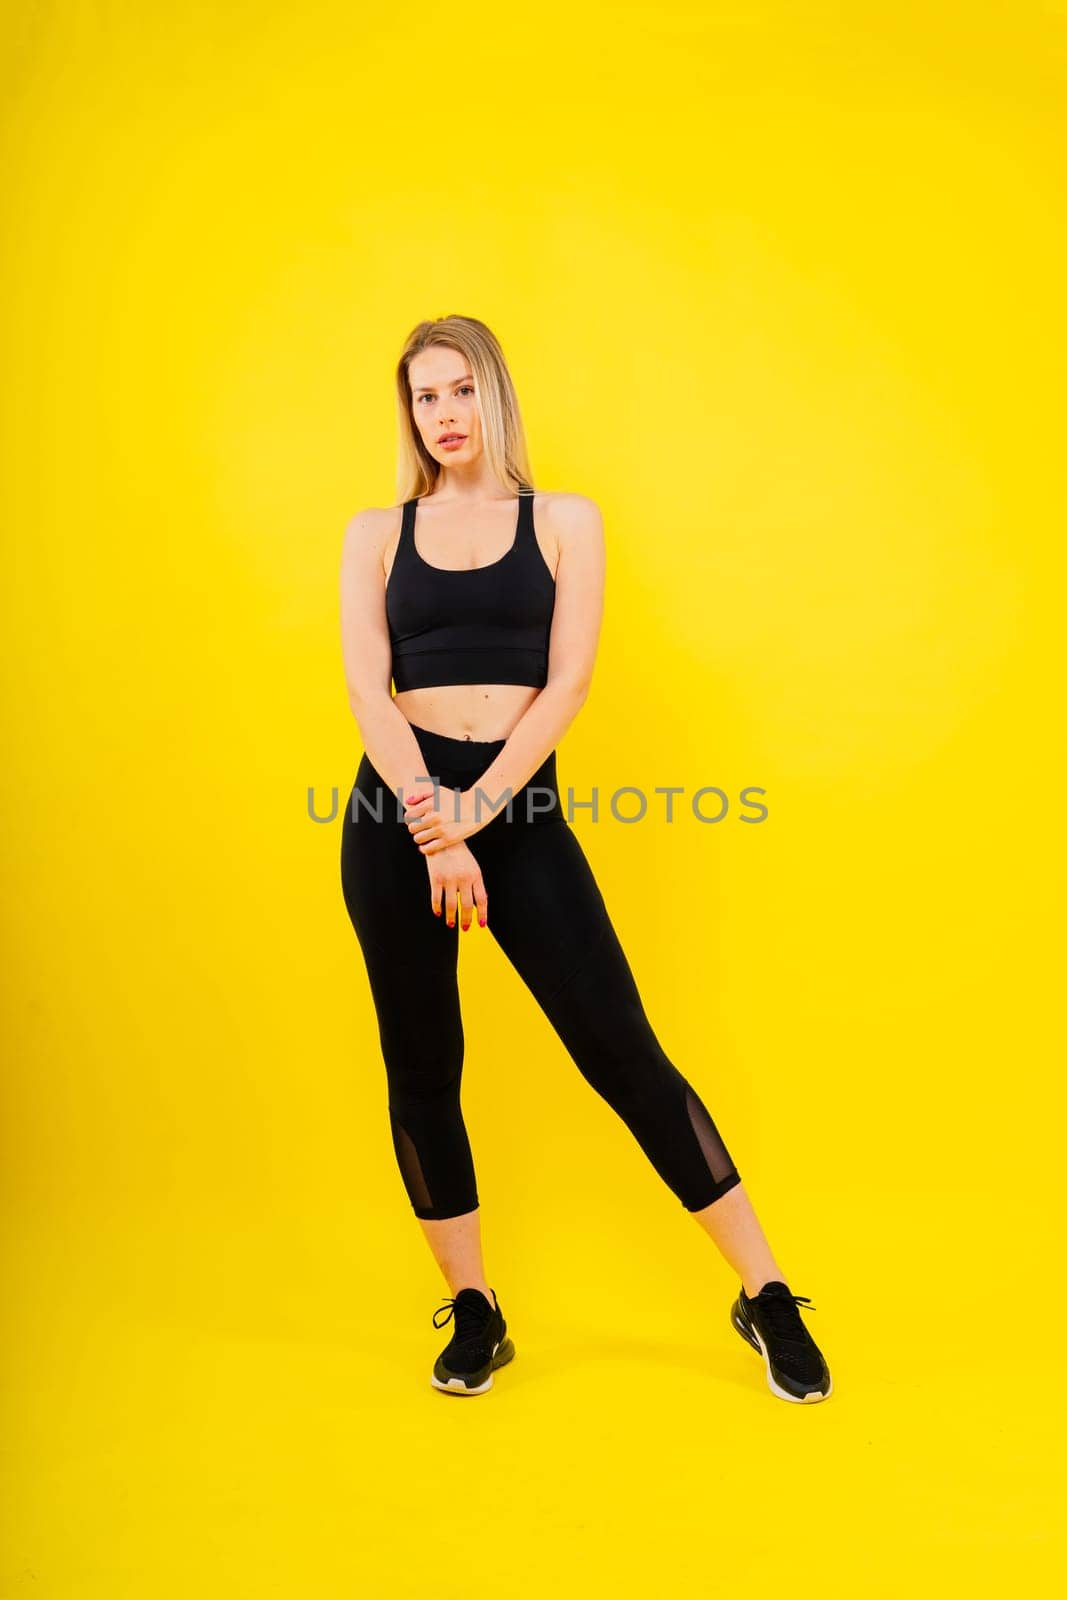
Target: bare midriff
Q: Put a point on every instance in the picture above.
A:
(482, 711)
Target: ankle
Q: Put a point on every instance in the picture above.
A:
(752, 1286)
(483, 1288)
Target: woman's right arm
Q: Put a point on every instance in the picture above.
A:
(391, 747)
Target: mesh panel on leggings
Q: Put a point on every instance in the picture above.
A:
(715, 1152)
(411, 1167)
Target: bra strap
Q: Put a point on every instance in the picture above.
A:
(407, 526)
(526, 522)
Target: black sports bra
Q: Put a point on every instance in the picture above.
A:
(470, 624)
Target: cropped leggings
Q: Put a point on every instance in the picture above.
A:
(547, 914)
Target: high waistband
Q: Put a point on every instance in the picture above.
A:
(460, 762)
(466, 755)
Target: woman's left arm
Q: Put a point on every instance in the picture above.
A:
(575, 633)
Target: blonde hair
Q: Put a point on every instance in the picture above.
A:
(503, 436)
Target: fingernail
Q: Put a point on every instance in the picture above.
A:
(481, 922)
(437, 911)
(451, 924)
(464, 926)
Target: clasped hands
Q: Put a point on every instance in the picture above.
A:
(435, 827)
(439, 832)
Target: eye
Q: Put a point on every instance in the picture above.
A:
(464, 388)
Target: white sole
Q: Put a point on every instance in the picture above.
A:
(783, 1394)
(457, 1385)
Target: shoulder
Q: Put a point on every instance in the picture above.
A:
(367, 532)
(370, 523)
(571, 517)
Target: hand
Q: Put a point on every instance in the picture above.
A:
(455, 871)
(434, 828)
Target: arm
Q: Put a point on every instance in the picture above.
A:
(391, 747)
(576, 620)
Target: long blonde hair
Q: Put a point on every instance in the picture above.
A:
(503, 436)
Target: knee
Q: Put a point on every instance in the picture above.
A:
(423, 1078)
(634, 1074)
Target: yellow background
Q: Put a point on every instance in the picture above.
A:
(781, 288)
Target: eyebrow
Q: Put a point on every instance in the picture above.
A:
(430, 389)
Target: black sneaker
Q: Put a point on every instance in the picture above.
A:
(770, 1322)
(479, 1343)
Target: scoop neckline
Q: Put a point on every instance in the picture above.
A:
(487, 565)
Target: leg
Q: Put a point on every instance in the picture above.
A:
(411, 961)
(733, 1226)
(548, 915)
(456, 1245)
(411, 957)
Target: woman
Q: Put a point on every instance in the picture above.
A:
(487, 623)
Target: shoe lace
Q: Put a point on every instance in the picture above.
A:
(783, 1313)
(469, 1319)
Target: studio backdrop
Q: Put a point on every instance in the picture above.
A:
(780, 287)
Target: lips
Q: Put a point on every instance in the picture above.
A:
(451, 438)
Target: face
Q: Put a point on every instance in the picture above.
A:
(443, 402)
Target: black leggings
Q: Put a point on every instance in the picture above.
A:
(547, 914)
